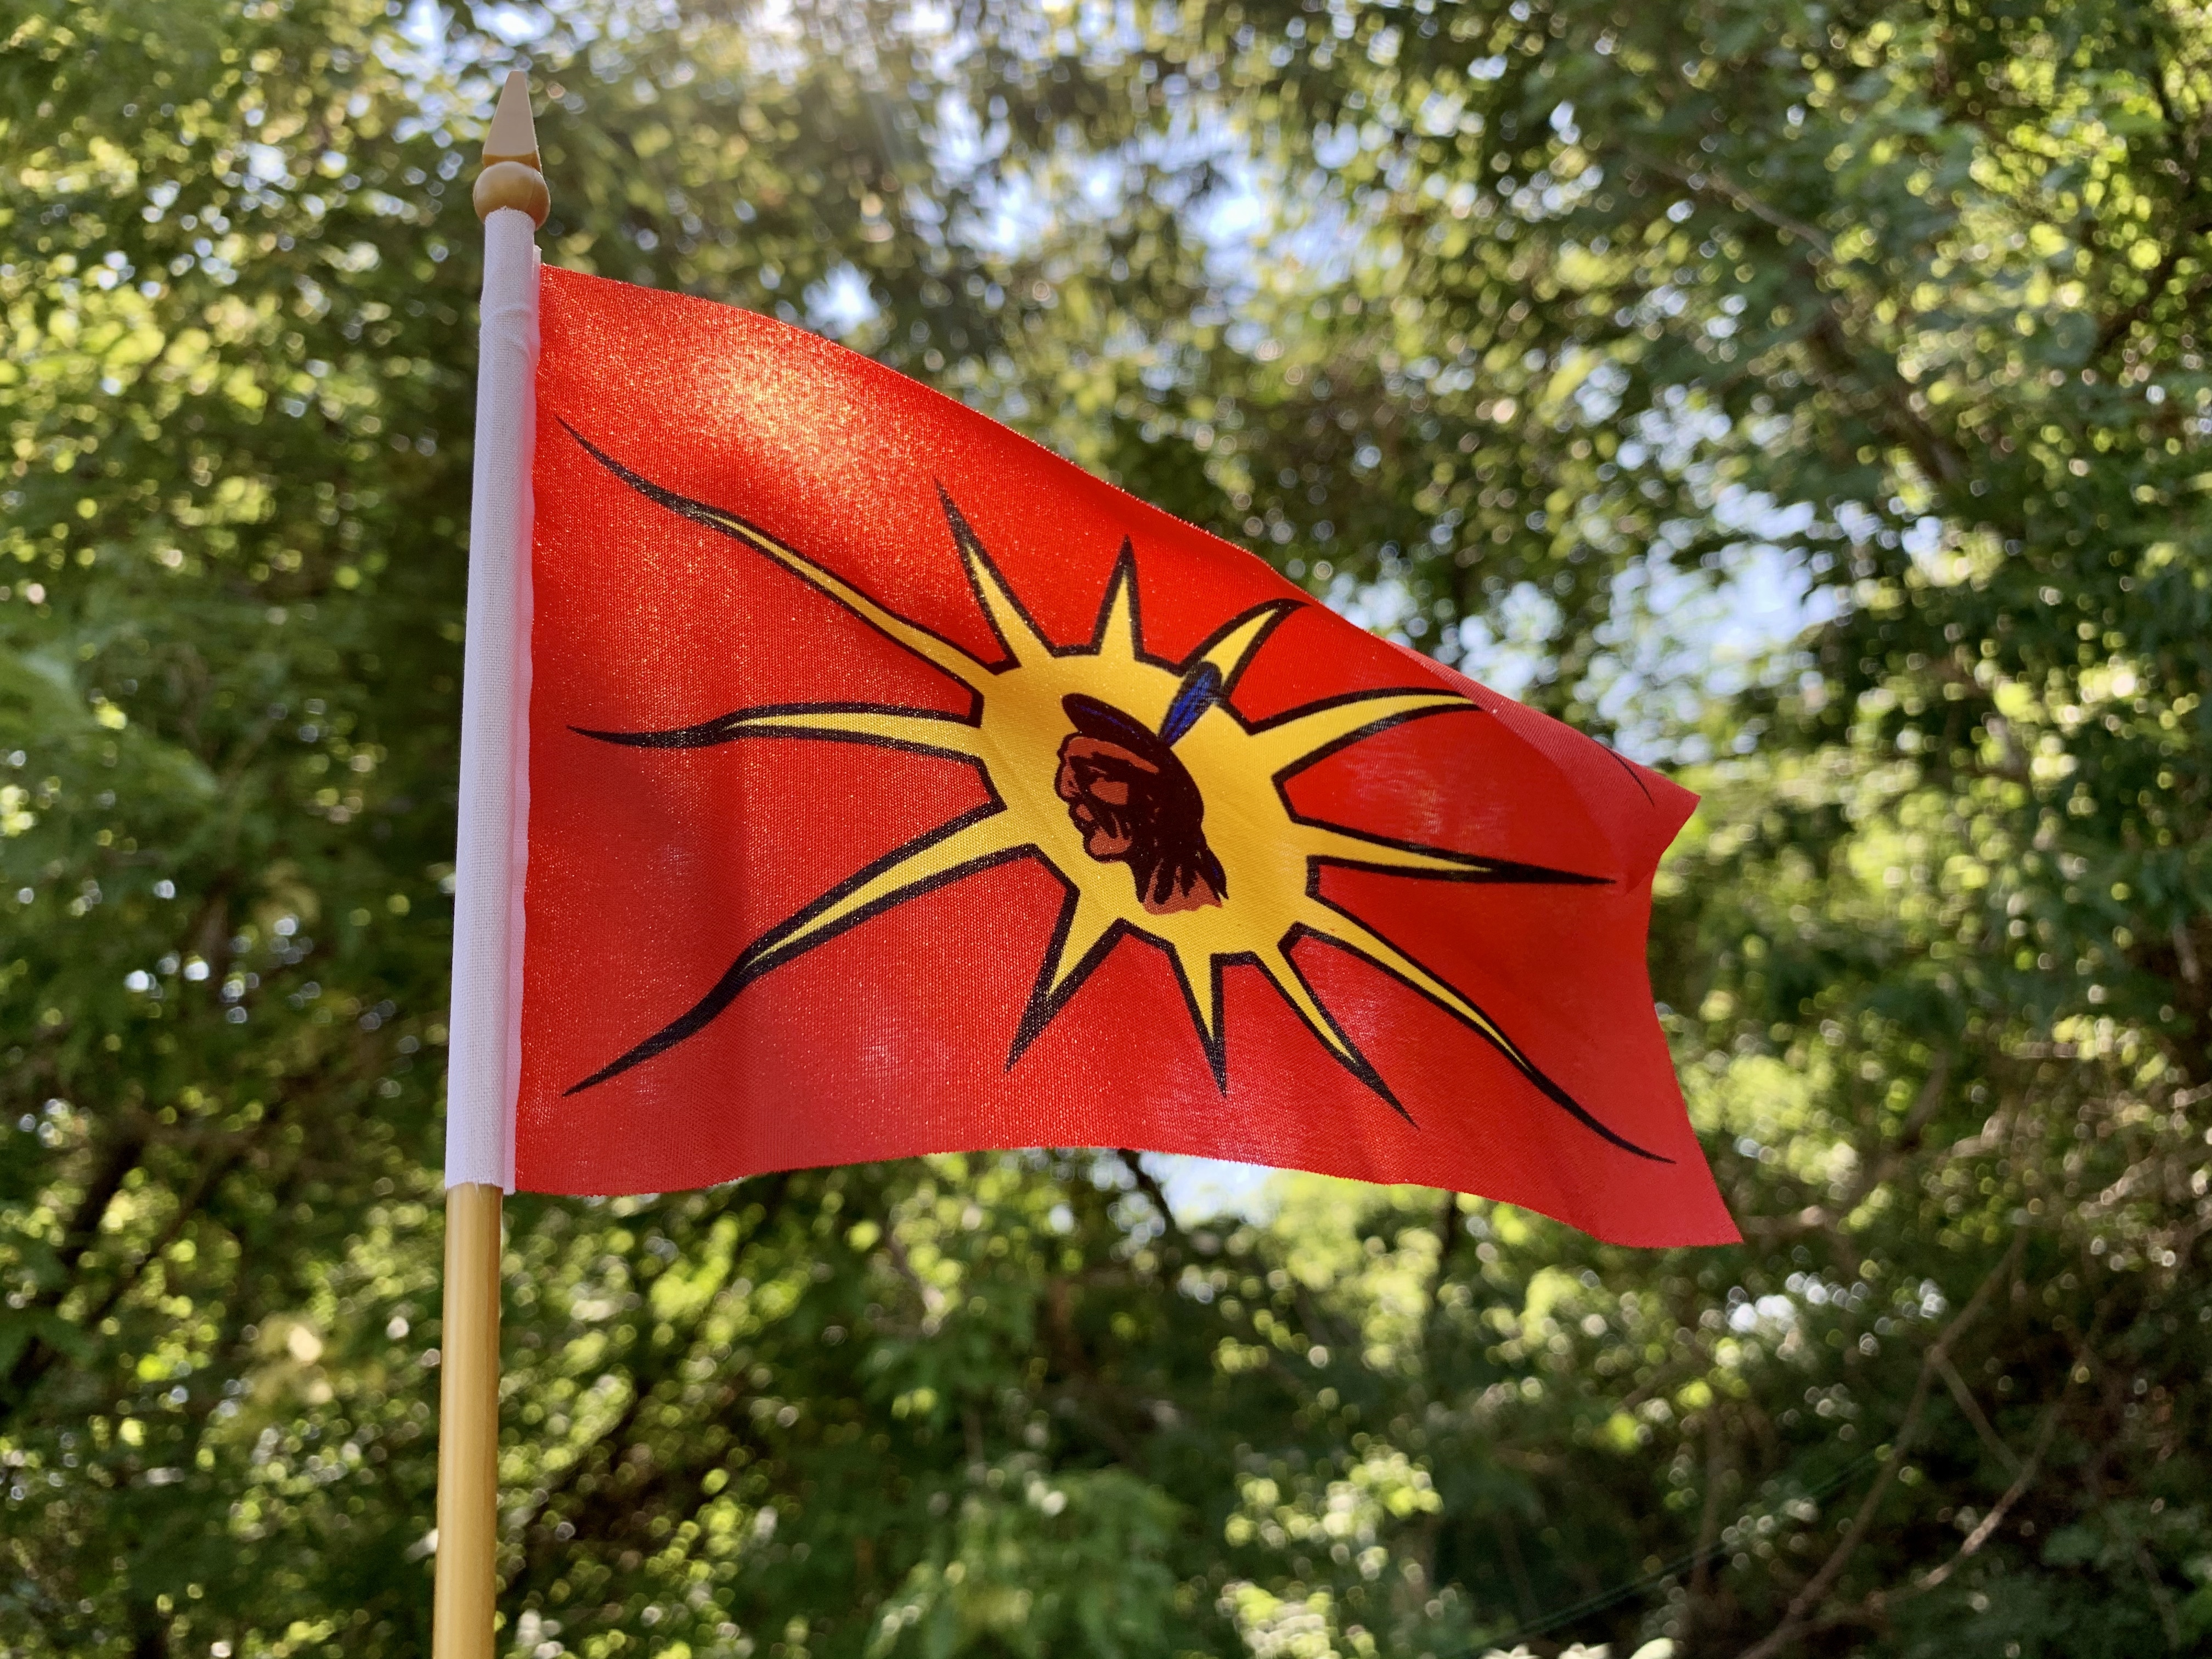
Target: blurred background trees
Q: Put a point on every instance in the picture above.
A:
(1810, 398)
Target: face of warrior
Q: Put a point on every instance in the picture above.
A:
(1136, 804)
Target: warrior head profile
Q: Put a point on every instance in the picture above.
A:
(1136, 804)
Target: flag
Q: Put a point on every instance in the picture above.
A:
(892, 786)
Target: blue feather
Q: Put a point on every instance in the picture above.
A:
(1196, 695)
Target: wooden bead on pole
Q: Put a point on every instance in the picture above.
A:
(514, 174)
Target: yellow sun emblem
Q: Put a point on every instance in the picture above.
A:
(1160, 808)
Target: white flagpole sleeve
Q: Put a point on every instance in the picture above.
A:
(483, 1060)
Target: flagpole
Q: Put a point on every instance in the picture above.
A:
(468, 1428)
(483, 1057)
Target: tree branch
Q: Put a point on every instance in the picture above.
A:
(1709, 181)
(1965, 1396)
(1798, 1616)
(121, 1156)
(1148, 1184)
(1987, 1528)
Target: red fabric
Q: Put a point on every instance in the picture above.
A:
(654, 869)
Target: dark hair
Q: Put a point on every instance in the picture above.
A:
(1107, 724)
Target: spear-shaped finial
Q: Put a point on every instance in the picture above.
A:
(513, 176)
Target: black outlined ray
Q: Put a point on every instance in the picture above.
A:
(771, 952)
(763, 722)
(746, 532)
(1550, 1088)
(1044, 1003)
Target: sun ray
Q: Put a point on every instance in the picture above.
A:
(1117, 632)
(1318, 840)
(1087, 924)
(1195, 967)
(940, 654)
(1347, 930)
(1228, 654)
(1086, 932)
(1276, 963)
(1303, 737)
(912, 870)
(937, 653)
(960, 848)
(917, 730)
(1322, 840)
(1014, 630)
(894, 728)
(1342, 928)
(1022, 643)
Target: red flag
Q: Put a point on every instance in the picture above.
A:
(895, 787)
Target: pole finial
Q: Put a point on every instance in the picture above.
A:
(513, 176)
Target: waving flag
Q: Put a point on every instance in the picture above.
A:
(893, 787)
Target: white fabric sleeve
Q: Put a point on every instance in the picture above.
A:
(483, 1060)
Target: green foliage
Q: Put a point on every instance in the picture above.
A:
(1557, 316)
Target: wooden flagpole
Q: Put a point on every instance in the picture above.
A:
(511, 199)
(468, 1427)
